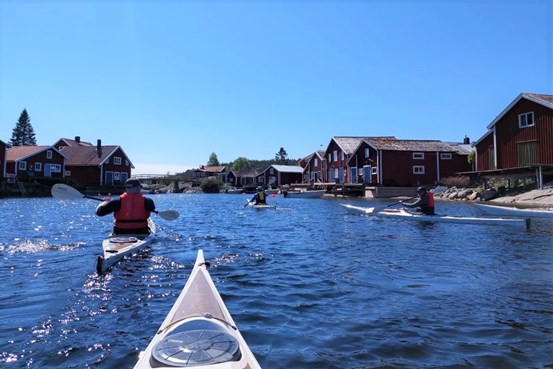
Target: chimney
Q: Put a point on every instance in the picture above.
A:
(78, 139)
(466, 140)
(99, 148)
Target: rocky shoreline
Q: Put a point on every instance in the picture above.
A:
(519, 198)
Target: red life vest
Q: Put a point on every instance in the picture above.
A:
(430, 199)
(133, 213)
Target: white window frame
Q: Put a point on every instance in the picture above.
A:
(329, 157)
(342, 155)
(418, 156)
(116, 176)
(418, 169)
(366, 152)
(22, 165)
(271, 170)
(316, 162)
(38, 167)
(116, 160)
(49, 154)
(55, 168)
(523, 120)
(335, 156)
(446, 156)
(374, 170)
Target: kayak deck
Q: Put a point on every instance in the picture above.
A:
(199, 331)
(116, 247)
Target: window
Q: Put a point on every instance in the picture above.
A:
(418, 169)
(446, 156)
(48, 154)
(491, 158)
(272, 171)
(418, 155)
(329, 157)
(22, 165)
(117, 160)
(342, 155)
(367, 152)
(374, 170)
(126, 163)
(116, 176)
(526, 153)
(526, 120)
(55, 168)
(335, 155)
(316, 162)
(38, 167)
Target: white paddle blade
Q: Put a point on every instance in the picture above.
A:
(65, 192)
(168, 214)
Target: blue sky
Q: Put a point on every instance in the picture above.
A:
(173, 81)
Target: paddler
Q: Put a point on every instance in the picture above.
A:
(260, 197)
(424, 202)
(131, 210)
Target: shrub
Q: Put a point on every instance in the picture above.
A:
(211, 185)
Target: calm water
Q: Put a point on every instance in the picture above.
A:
(308, 285)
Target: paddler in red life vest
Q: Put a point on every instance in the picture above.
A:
(260, 197)
(424, 202)
(131, 210)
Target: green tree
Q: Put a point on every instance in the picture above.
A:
(281, 156)
(23, 134)
(241, 163)
(213, 161)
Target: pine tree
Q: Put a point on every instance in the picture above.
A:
(213, 161)
(23, 134)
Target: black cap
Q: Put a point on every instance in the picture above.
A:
(132, 183)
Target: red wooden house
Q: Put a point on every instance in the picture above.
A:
(27, 163)
(3, 156)
(337, 154)
(278, 175)
(313, 167)
(205, 171)
(93, 166)
(239, 178)
(519, 141)
(393, 162)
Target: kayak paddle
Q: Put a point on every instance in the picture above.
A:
(64, 192)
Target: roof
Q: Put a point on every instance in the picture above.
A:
(211, 169)
(287, 168)
(23, 152)
(88, 156)
(71, 142)
(410, 145)
(544, 100)
(350, 144)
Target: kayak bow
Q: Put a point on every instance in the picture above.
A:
(199, 331)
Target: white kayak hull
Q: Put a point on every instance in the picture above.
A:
(358, 209)
(305, 194)
(405, 215)
(261, 206)
(199, 331)
(117, 247)
(515, 212)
